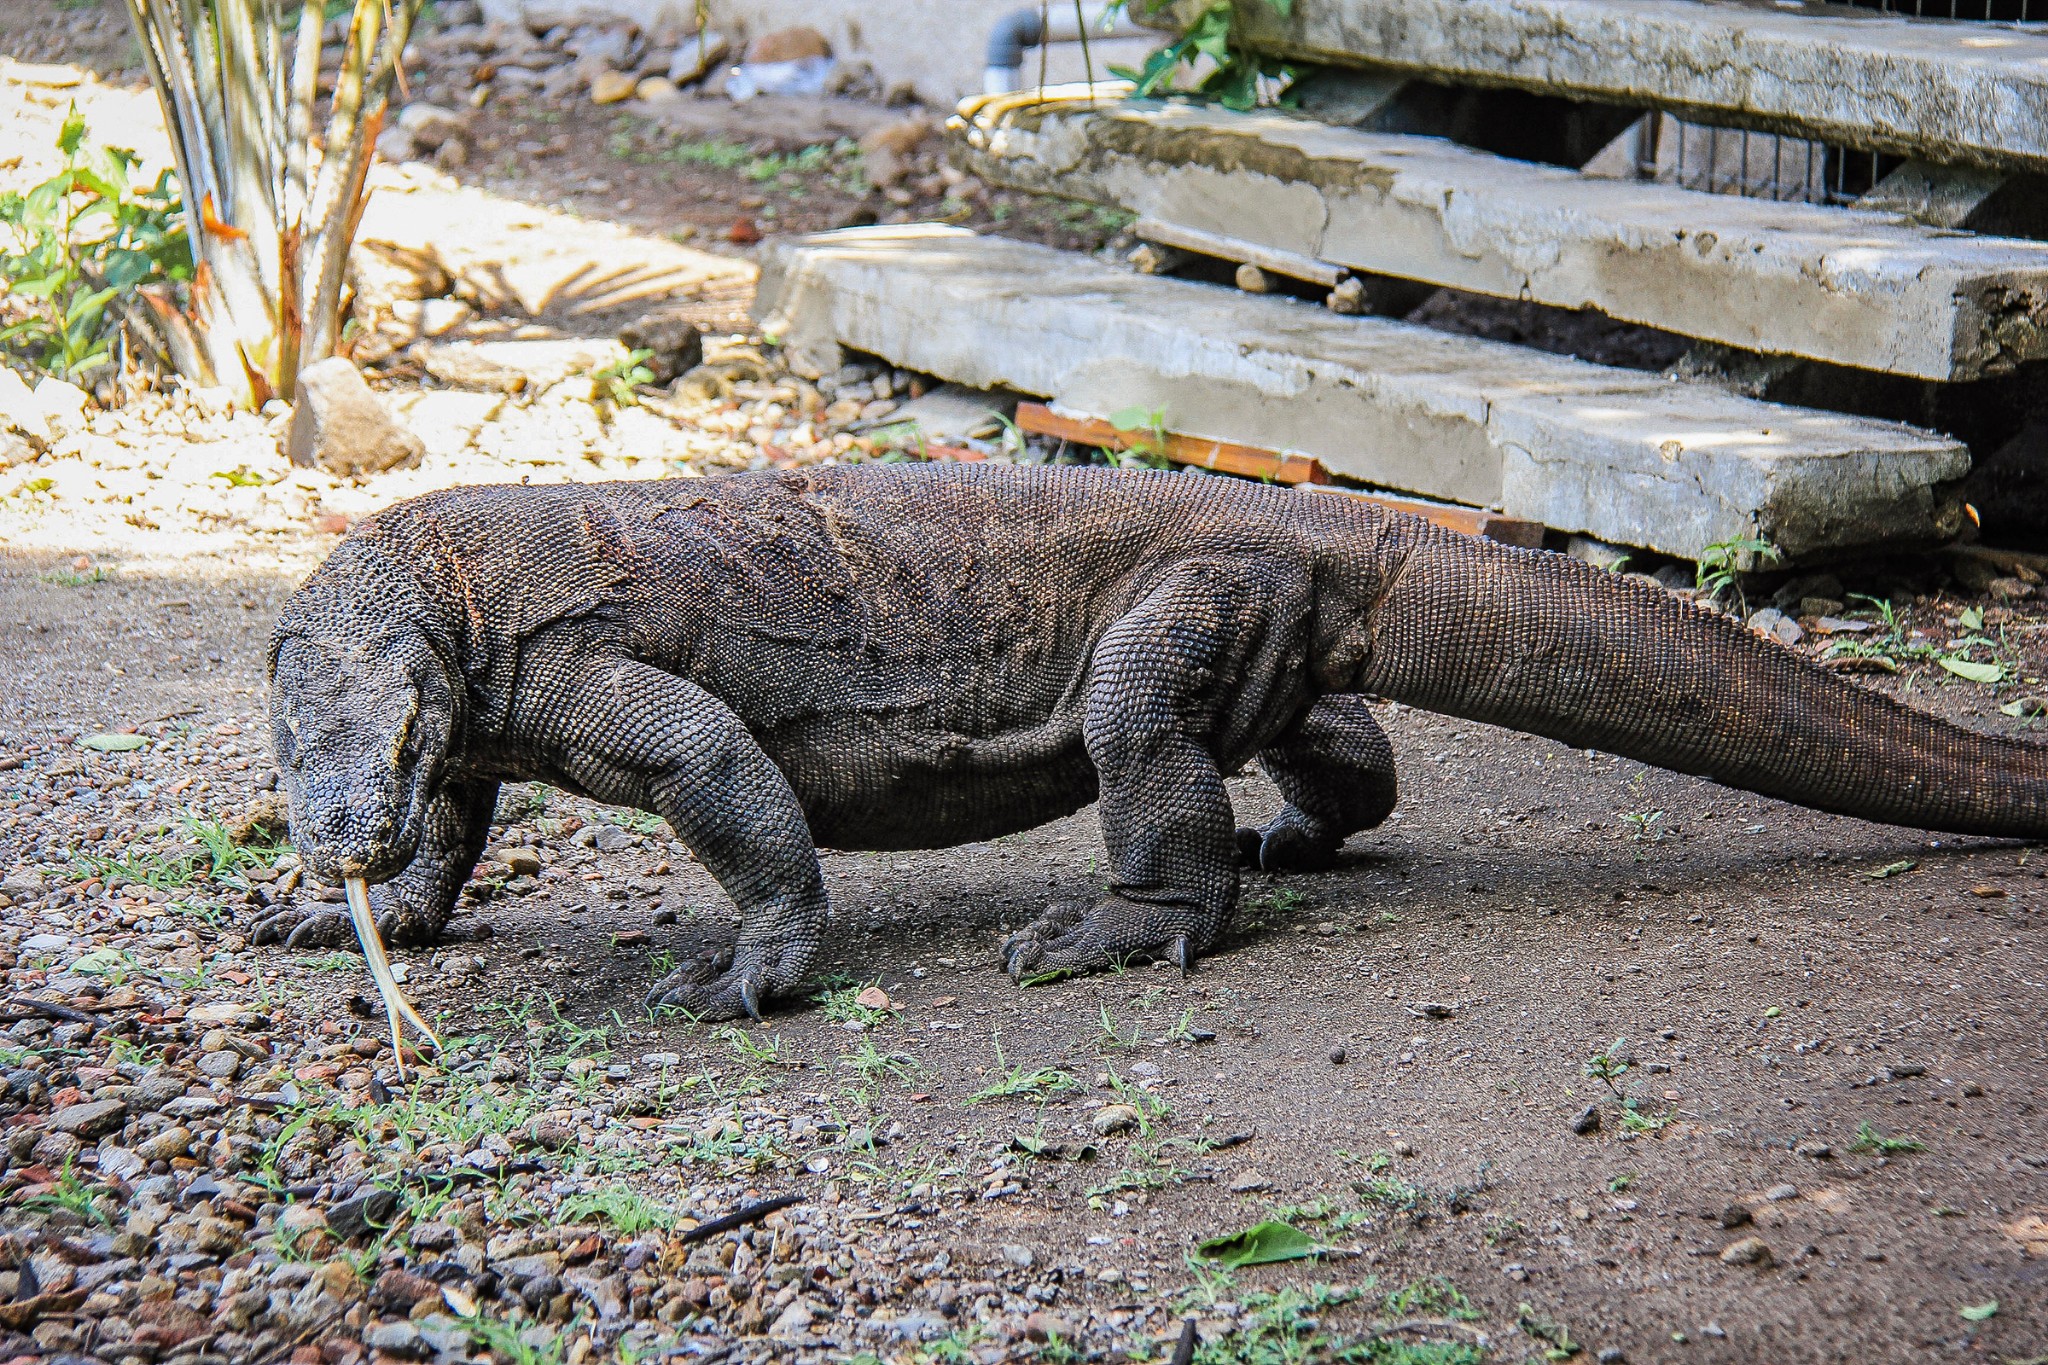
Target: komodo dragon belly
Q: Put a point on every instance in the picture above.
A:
(864, 785)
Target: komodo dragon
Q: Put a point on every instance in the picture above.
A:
(890, 658)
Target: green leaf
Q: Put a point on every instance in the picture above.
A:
(72, 133)
(1234, 85)
(41, 205)
(1893, 869)
(88, 305)
(1979, 1312)
(1971, 669)
(112, 744)
(40, 288)
(100, 961)
(1259, 1244)
(1972, 618)
(126, 267)
(1210, 34)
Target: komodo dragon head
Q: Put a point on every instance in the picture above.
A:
(362, 710)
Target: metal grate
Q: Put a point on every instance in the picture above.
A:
(1700, 156)
(1973, 11)
(1716, 160)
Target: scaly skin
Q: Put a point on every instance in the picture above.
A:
(888, 658)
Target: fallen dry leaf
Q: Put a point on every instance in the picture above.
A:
(2030, 1230)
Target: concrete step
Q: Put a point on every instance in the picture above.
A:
(1864, 289)
(1947, 91)
(1629, 457)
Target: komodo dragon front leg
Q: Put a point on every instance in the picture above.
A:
(1185, 676)
(635, 736)
(414, 907)
(1335, 769)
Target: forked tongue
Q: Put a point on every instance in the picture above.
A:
(395, 1003)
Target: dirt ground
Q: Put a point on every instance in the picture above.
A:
(1823, 1035)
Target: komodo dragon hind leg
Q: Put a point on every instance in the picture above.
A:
(1168, 679)
(414, 907)
(1335, 770)
(636, 736)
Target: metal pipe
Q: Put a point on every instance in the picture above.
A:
(1023, 29)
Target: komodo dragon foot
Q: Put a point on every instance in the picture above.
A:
(713, 987)
(1286, 847)
(1071, 937)
(329, 926)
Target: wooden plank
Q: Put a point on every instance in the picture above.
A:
(1279, 467)
(1224, 457)
(1471, 521)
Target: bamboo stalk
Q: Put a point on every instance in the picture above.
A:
(269, 222)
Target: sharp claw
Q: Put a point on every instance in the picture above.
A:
(1016, 966)
(1182, 958)
(303, 935)
(750, 996)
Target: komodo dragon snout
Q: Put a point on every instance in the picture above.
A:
(360, 721)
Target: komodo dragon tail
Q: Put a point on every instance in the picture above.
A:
(1543, 643)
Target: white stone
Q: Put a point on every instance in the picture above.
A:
(63, 404)
(341, 426)
(1630, 457)
(20, 410)
(1862, 289)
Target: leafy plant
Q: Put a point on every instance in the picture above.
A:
(1017, 1082)
(742, 1042)
(1234, 83)
(72, 245)
(69, 1192)
(1868, 1139)
(871, 1063)
(1108, 1035)
(616, 385)
(270, 202)
(1610, 1064)
(1435, 1296)
(1719, 564)
(1642, 818)
(841, 1005)
(1143, 432)
(1555, 1336)
(1040, 1083)
(626, 1210)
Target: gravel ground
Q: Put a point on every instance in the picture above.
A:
(1571, 1059)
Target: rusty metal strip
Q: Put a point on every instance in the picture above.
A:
(1255, 462)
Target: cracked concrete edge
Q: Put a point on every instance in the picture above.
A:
(1629, 457)
(1866, 290)
(1950, 92)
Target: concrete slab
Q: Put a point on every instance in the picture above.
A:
(1947, 91)
(1864, 289)
(1626, 456)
